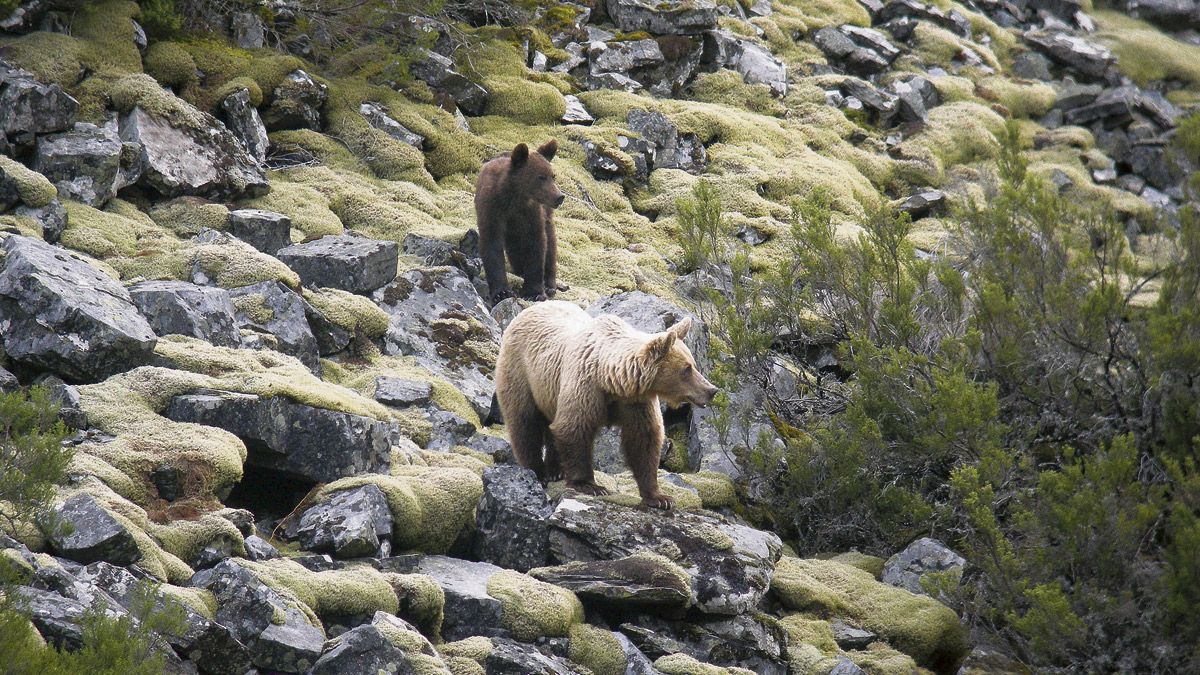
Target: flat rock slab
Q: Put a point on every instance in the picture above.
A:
(183, 308)
(755, 642)
(60, 314)
(29, 107)
(509, 657)
(638, 582)
(437, 316)
(670, 17)
(402, 392)
(346, 262)
(730, 565)
(299, 440)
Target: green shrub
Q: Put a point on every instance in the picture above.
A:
(32, 453)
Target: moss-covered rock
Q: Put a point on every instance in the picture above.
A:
(430, 506)
(598, 649)
(349, 311)
(918, 625)
(353, 591)
(532, 608)
(33, 188)
(171, 65)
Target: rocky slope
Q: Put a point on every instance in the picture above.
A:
(253, 283)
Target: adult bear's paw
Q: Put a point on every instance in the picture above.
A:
(659, 500)
(587, 488)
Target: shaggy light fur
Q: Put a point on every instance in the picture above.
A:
(562, 375)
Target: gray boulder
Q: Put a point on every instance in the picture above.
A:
(437, 316)
(59, 620)
(856, 59)
(204, 161)
(469, 609)
(182, 308)
(401, 392)
(754, 62)
(362, 649)
(349, 524)
(438, 72)
(298, 440)
(448, 429)
(662, 144)
(730, 565)
(29, 108)
(509, 657)
(61, 314)
(278, 636)
(296, 103)
(245, 124)
(53, 218)
(652, 314)
(924, 203)
(266, 231)
(8, 382)
(671, 17)
(924, 556)
(82, 530)
(344, 261)
(248, 29)
(576, 112)
(272, 308)
(756, 642)
(512, 529)
(258, 548)
(378, 117)
(84, 163)
(849, 637)
(912, 9)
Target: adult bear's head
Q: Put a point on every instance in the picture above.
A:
(530, 174)
(676, 378)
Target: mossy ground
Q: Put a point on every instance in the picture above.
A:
(532, 608)
(918, 625)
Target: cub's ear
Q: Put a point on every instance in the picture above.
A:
(549, 149)
(520, 154)
(658, 347)
(680, 329)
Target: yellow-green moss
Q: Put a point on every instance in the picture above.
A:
(1145, 53)
(143, 91)
(387, 157)
(532, 608)
(32, 187)
(198, 600)
(429, 506)
(958, 133)
(459, 665)
(255, 308)
(307, 206)
(716, 489)
(682, 664)
(524, 100)
(598, 649)
(185, 539)
(726, 87)
(186, 216)
(935, 44)
(354, 313)
(864, 562)
(360, 376)
(233, 86)
(421, 600)
(264, 373)
(223, 63)
(476, 648)
(1022, 98)
(804, 629)
(918, 625)
(14, 567)
(171, 65)
(880, 659)
(106, 30)
(233, 264)
(53, 57)
(355, 590)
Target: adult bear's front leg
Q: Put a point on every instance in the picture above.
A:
(641, 442)
(581, 411)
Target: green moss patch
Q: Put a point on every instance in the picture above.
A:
(355, 590)
(598, 649)
(1144, 53)
(32, 187)
(171, 65)
(917, 625)
(429, 506)
(532, 608)
(353, 313)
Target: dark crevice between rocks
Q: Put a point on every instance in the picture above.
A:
(269, 494)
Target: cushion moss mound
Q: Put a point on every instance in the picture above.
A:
(598, 649)
(429, 505)
(532, 608)
(917, 625)
(32, 187)
(353, 591)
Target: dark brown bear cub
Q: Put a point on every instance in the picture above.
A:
(515, 198)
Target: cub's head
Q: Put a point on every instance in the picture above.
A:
(531, 175)
(676, 378)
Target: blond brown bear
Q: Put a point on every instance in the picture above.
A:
(562, 375)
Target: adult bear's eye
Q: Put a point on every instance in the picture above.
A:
(687, 371)
(542, 178)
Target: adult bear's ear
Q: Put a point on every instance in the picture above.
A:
(658, 347)
(680, 329)
(520, 154)
(549, 149)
